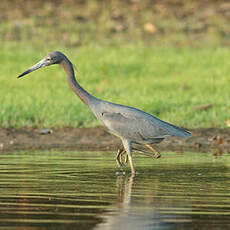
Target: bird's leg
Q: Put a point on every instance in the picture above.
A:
(119, 157)
(122, 152)
(126, 158)
(128, 148)
(156, 153)
(143, 152)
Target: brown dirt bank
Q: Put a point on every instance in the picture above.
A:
(211, 140)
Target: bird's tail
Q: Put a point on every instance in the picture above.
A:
(174, 130)
(180, 132)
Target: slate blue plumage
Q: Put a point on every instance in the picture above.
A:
(131, 125)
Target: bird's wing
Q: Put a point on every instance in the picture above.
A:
(133, 127)
(130, 121)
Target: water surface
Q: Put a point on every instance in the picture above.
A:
(85, 190)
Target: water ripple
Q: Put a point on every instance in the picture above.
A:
(80, 190)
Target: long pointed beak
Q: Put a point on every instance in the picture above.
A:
(39, 65)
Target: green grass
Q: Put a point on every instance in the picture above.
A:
(164, 81)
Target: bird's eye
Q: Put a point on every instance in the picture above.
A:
(48, 58)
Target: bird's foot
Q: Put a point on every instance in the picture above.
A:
(119, 164)
(157, 155)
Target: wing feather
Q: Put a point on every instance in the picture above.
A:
(134, 128)
(132, 123)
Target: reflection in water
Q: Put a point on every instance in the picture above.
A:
(126, 215)
(132, 215)
(81, 191)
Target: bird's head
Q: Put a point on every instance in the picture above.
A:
(50, 59)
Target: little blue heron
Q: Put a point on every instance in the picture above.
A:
(131, 125)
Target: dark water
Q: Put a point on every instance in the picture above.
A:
(80, 190)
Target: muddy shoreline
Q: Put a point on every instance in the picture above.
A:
(210, 140)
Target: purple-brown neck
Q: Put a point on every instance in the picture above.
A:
(81, 93)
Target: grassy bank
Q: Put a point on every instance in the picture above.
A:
(159, 56)
(164, 81)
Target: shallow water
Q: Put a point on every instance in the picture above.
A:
(81, 190)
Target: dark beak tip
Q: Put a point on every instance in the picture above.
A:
(33, 68)
(23, 74)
